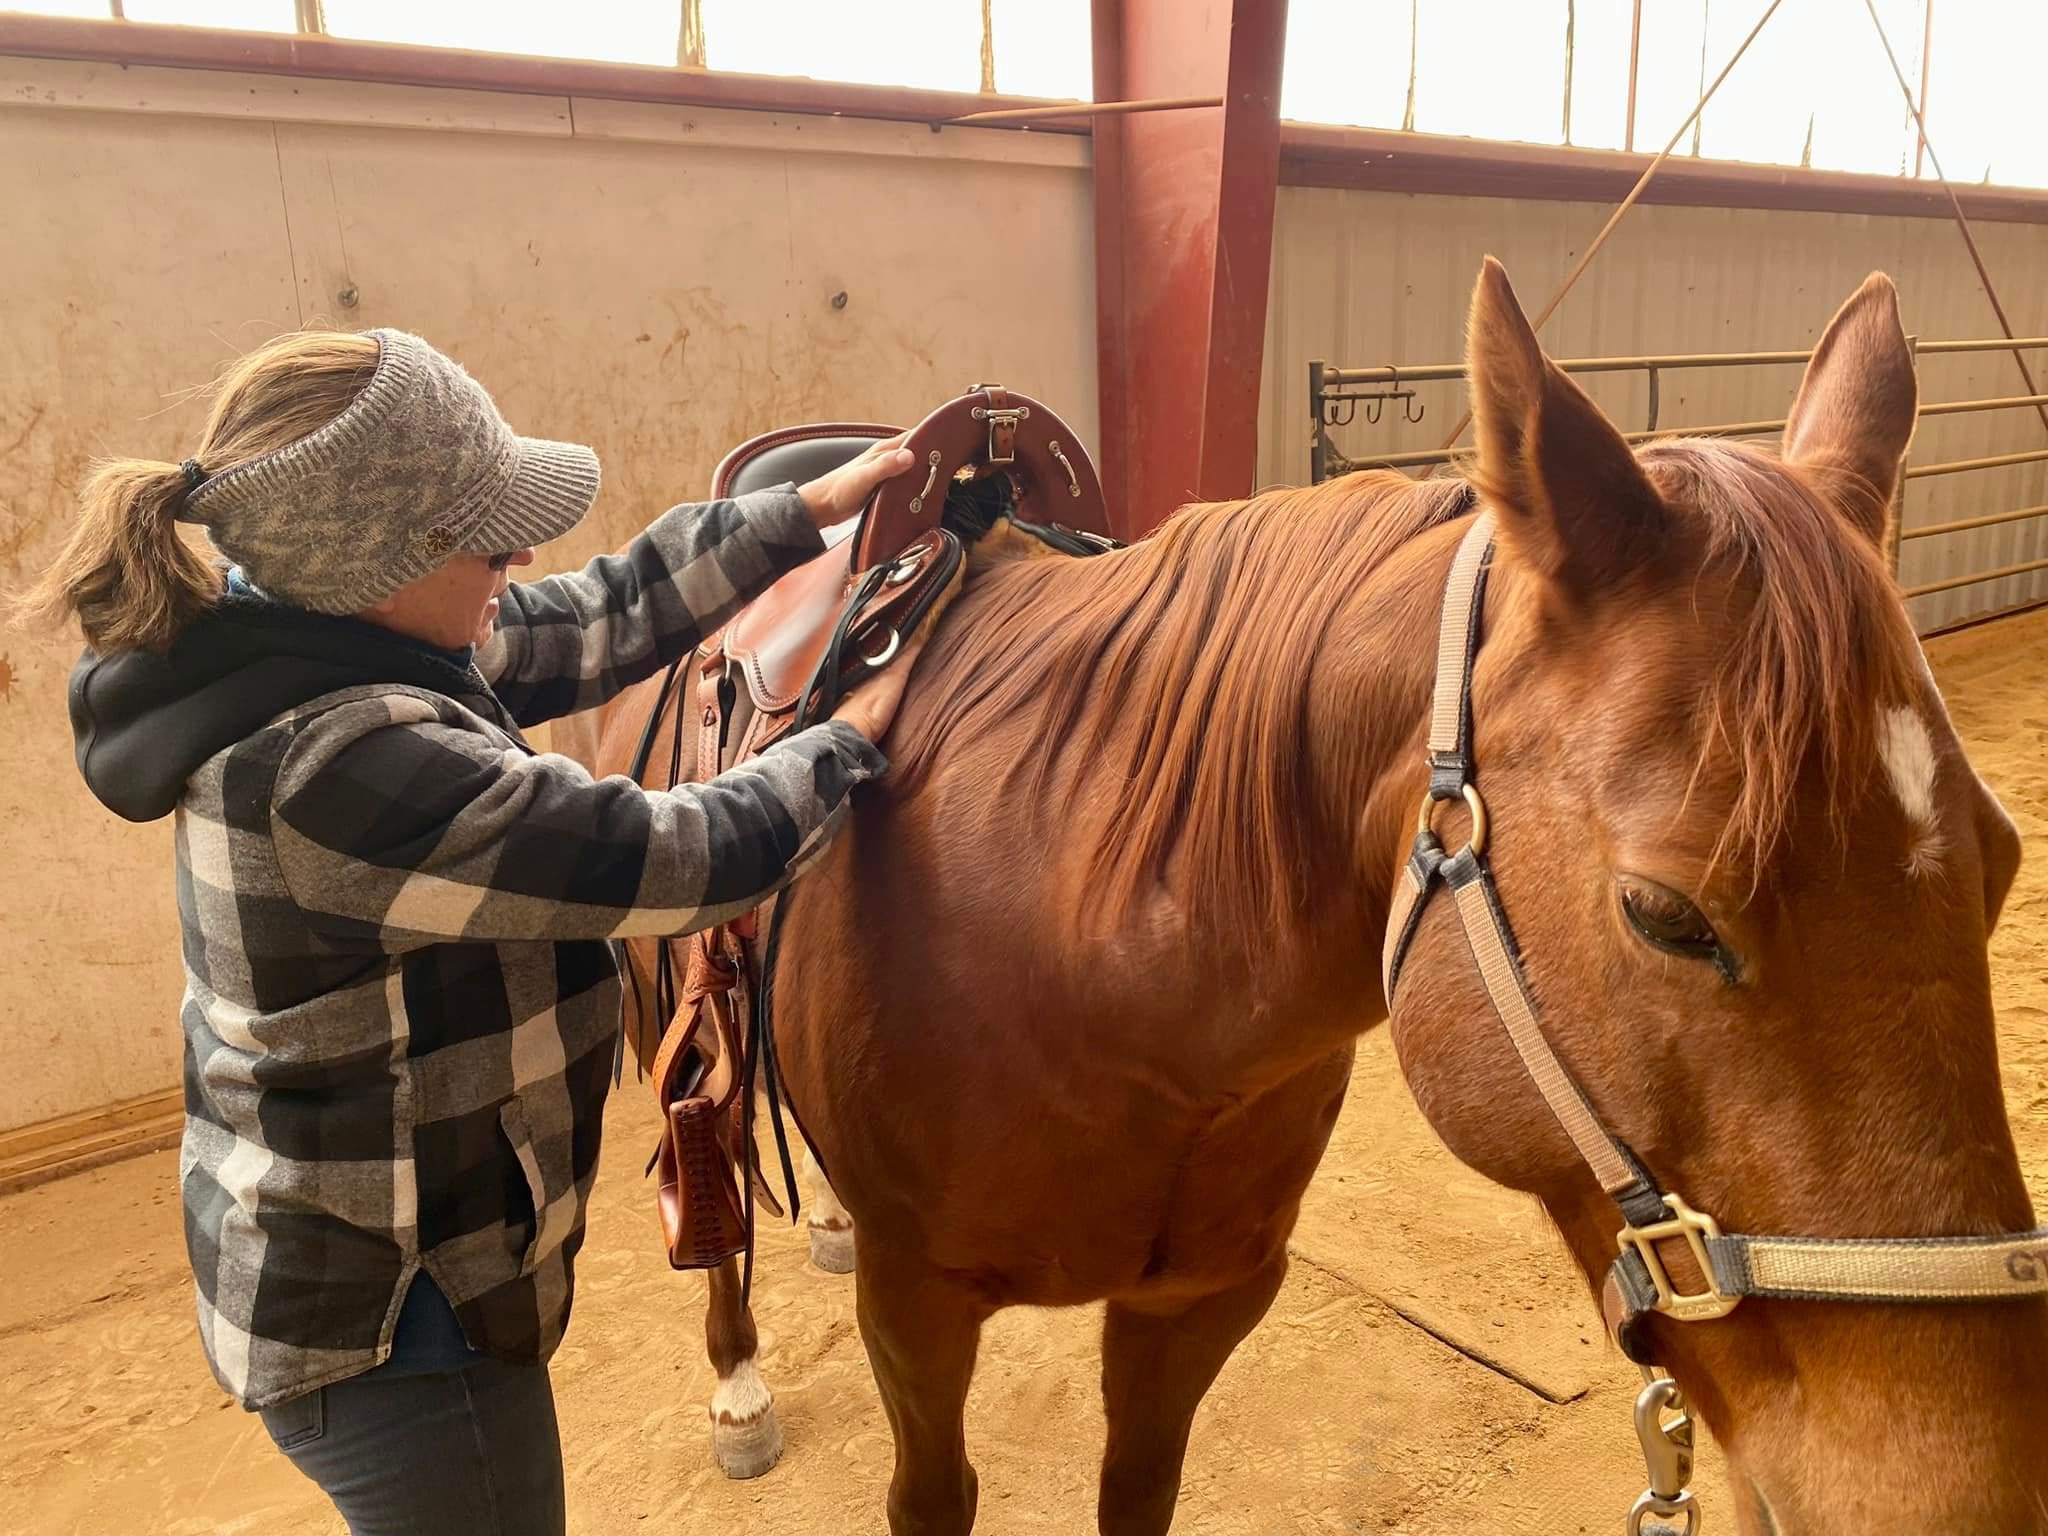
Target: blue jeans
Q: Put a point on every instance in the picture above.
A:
(437, 1439)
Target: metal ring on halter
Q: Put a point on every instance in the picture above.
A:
(1664, 1509)
(1477, 841)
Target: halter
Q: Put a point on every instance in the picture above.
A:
(1876, 1269)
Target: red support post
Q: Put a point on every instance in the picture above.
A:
(1183, 247)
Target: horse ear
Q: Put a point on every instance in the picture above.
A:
(1857, 405)
(1569, 494)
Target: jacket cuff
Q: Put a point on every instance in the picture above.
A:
(842, 754)
(778, 518)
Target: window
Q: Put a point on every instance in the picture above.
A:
(624, 31)
(1983, 86)
(1015, 47)
(1043, 48)
(934, 44)
(238, 15)
(1815, 88)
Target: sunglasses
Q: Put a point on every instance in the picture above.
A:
(501, 562)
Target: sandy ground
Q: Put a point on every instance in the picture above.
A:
(1344, 1413)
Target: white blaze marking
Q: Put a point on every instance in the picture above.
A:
(1908, 752)
(741, 1397)
(1909, 762)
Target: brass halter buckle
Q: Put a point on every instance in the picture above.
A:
(1695, 1227)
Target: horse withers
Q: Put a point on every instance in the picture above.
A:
(1067, 1012)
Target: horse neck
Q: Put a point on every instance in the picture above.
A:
(1292, 757)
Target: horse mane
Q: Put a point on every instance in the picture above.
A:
(1820, 639)
(1223, 601)
(1220, 605)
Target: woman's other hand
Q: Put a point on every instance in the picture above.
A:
(835, 497)
(872, 706)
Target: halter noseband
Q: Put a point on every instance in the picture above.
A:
(1877, 1269)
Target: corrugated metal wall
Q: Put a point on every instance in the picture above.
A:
(1367, 278)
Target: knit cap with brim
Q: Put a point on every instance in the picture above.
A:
(419, 467)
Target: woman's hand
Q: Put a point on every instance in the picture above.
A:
(872, 706)
(835, 497)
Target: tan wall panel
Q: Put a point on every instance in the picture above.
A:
(659, 300)
(137, 255)
(1364, 278)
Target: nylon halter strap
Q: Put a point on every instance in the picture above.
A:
(1639, 1282)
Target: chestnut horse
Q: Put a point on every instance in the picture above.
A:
(1068, 1009)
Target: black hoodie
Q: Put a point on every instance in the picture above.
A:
(144, 722)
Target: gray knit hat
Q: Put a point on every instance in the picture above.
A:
(420, 466)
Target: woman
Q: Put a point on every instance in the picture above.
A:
(402, 1001)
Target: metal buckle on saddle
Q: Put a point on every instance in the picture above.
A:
(1002, 425)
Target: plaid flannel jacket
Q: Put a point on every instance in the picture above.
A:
(402, 995)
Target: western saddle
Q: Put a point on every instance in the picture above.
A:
(782, 664)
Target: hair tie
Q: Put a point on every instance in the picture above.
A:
(195, 477)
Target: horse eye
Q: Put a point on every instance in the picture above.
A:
(1668, 921)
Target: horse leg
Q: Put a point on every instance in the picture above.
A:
(746, 1438)
(1156, 1366)
(831, 1226)
(921, 1332)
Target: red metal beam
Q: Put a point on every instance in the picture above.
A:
(1183, 247)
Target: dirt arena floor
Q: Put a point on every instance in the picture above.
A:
(1347, 1412)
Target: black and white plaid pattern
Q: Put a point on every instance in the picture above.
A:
(402, 999)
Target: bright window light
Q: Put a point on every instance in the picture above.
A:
(929, 44)
(1043, 48)
(98, 8)
(623, 31)
(1347, 62)
(236, 15)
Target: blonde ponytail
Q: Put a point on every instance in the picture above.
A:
(129, 576)
(127, 573)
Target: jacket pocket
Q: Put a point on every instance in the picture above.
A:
(512, 1121)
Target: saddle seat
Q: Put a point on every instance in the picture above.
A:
(778, 642)
(783, 663)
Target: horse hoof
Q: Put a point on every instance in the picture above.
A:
(750, 1449)
(832, 1249)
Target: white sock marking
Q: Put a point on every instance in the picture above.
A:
(741, 1397)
